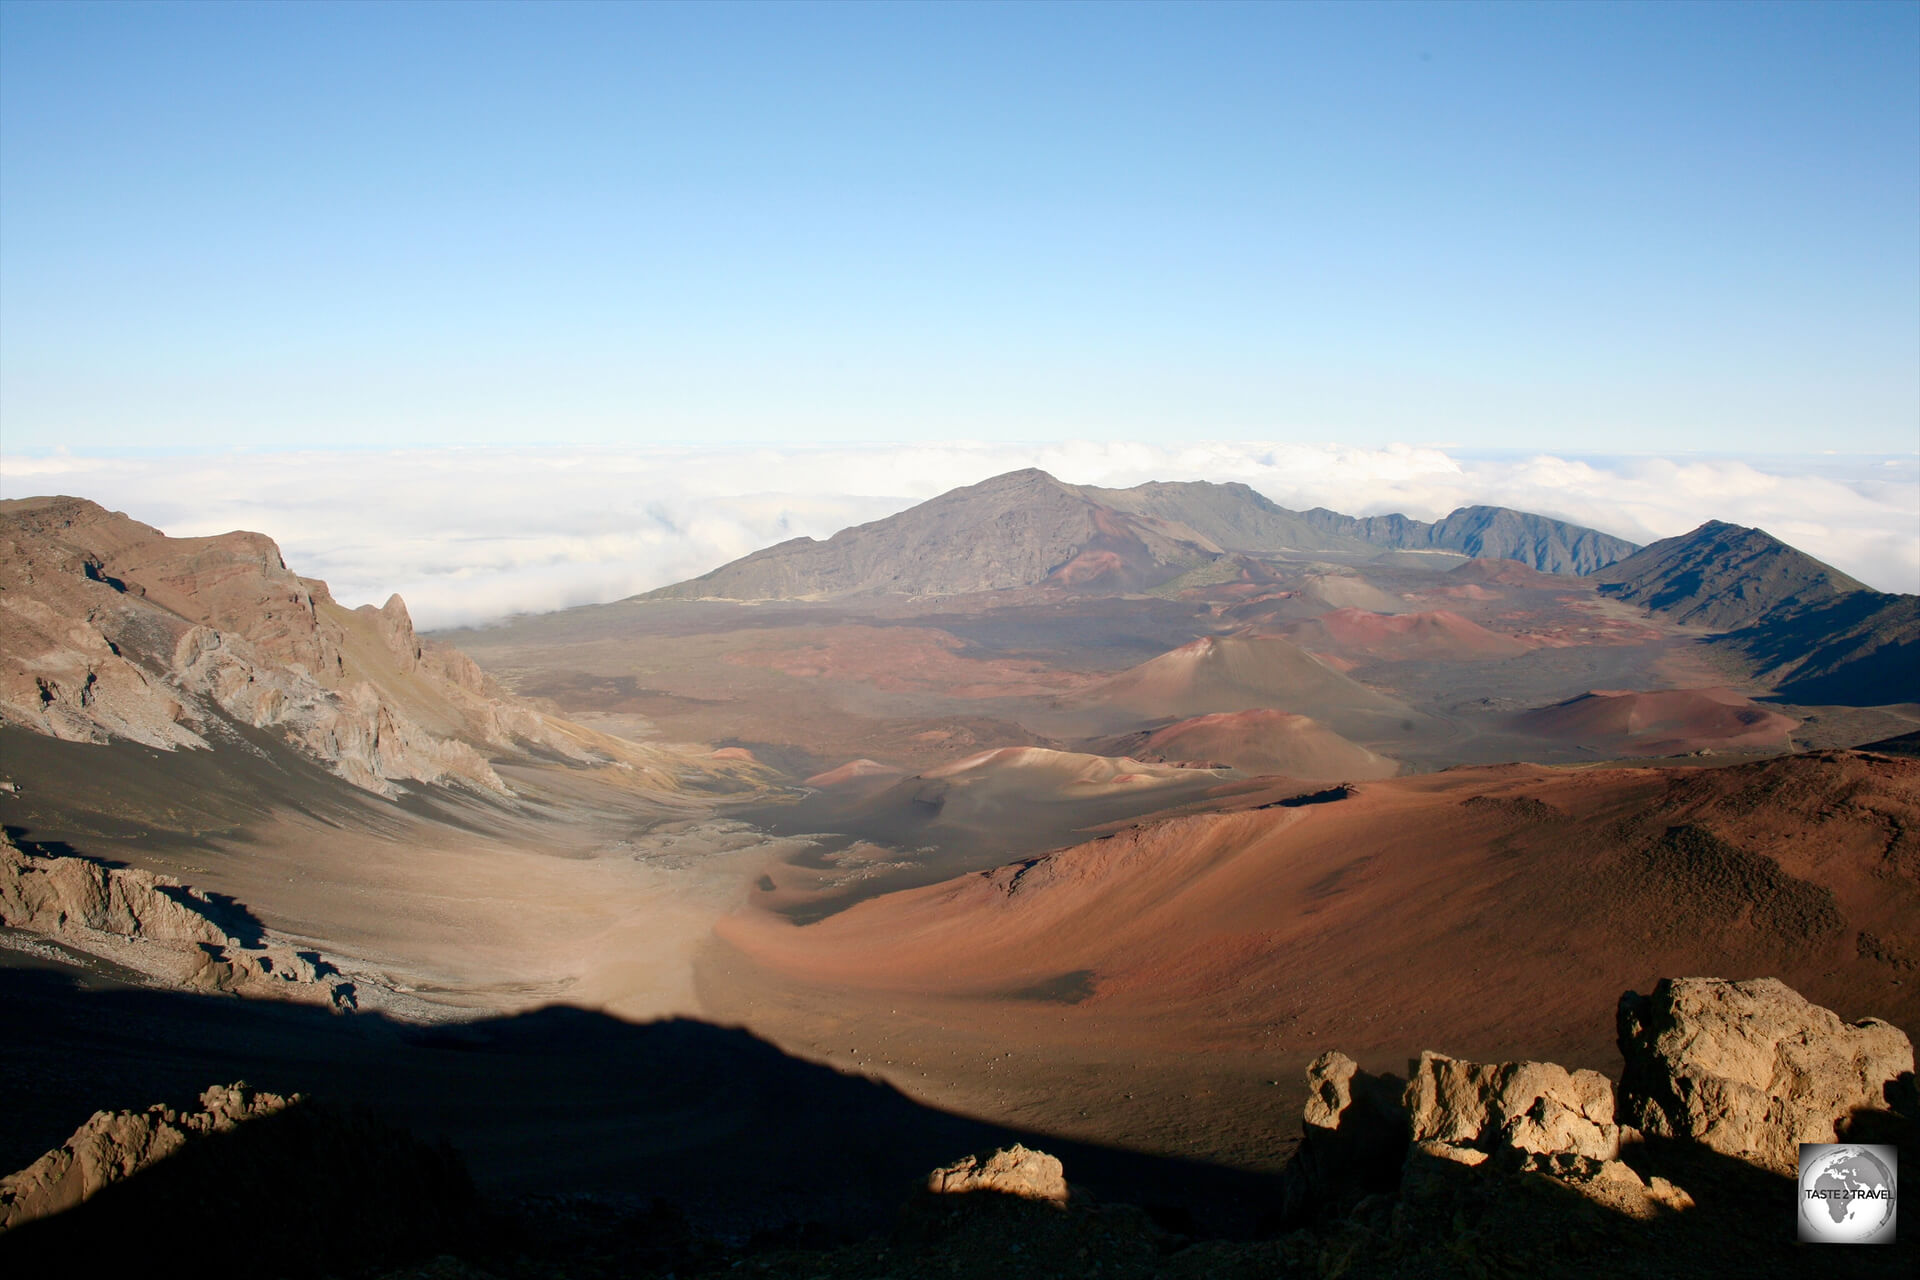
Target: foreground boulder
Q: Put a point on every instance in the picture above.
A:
(1536, 1107)
(1010, 1171)
(1748, 1070)
(1752, 1069)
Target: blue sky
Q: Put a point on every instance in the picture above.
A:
(1621, 227)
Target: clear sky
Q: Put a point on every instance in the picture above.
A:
(1621, 226)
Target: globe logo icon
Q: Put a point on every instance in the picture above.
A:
(1847, 1193)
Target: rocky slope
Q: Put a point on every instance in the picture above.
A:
(1723, 576)
(1811, 631)
(1499, 533)
(247, 1182)
(111, 630)
(1862, 649)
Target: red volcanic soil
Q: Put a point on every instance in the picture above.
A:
(1669, 722)
(1087, 568)
(1258, 742)
(1437, 635)
(1510, 573)
(854, 771)
(1487, 913)
(731, 753)
(1237, 673)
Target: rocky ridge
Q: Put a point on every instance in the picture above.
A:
(1498, 533)
(111, 630)
(158, 927)
(1723, 576)
(112, 1146)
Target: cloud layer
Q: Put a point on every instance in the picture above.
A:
(469, 535)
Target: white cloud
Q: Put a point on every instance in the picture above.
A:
(466, 535)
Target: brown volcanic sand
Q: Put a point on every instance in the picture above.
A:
(1666, 722)
(591, 888)
(1488, 913)
(1510, 573)
(1258, 742)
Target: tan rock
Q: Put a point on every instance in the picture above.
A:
(1353, 1141)
(155, 925)
(52, 895)
(111, 630)
(114, 1145)
(1010, 1171)
(1751, 1069)
(1538, 1107)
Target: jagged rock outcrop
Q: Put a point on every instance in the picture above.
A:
(248, 1183)
(49, 895)
(111, 630)
(155, 925)
(1010, 1171)
(1727, 1069)
(1752, 1069)
(1353, 1141)
(1536, 1107)
(114, 1145)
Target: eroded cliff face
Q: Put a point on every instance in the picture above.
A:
(111, 630)
(157, 926)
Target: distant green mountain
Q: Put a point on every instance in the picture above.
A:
(1494, 533)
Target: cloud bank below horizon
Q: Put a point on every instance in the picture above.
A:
(470, 535)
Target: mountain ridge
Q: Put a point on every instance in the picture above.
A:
(1026, 528)
(1498, 533)
(1723, 576)
(1816, 634)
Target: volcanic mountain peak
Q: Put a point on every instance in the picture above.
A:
(1013, 530)
(1662, 722)
(1724, 576)
(1242, 672)
(1435, 634)
(1260, 741)
(1026, 528)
